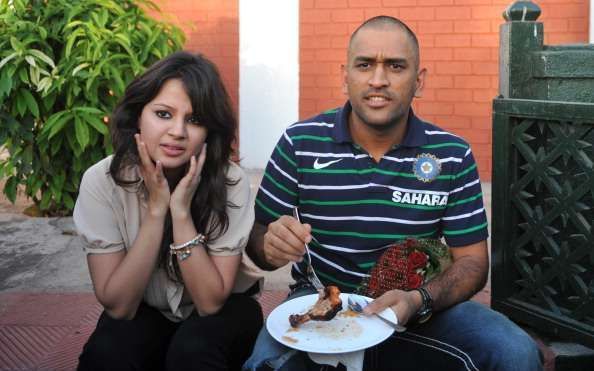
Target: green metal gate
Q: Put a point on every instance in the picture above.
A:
(543, 180)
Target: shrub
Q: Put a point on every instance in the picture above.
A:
(63, 66)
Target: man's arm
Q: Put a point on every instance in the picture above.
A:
(464, 278)
(281, 242)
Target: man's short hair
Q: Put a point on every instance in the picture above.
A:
(386, 20)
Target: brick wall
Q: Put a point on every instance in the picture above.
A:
(212, 28)
(459, 46)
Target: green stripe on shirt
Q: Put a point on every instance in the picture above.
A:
(370, 202)
(466, 200)
(312, 137)
(447, 144)
(372, 235)
(464, 231)
(268, 210)
(284, 155)
(278, 185)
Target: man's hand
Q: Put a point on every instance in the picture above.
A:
(404, 303)
(284, 241)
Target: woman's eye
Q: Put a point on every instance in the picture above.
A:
(163, 114)
(193, 120)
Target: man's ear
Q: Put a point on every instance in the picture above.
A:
(345, 87)
(420, 84)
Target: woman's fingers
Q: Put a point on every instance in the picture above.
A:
(201, 158)
(159, 171)
(145, 159)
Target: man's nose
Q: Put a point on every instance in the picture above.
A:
(379, 77)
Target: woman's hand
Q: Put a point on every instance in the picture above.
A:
(154, 181)
(181, 198)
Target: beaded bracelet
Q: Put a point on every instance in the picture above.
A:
(184, 250)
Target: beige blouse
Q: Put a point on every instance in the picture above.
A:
(108, 218)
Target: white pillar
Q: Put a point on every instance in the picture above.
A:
(591, 21)
(268, 76)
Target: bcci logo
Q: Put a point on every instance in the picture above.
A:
(426, 167)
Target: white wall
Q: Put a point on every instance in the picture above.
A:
(268, 76)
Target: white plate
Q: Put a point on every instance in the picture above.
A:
(347, 332)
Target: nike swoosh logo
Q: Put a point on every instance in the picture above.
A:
(319, 166)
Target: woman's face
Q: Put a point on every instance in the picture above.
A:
(170, 130)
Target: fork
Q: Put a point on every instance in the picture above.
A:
(357, 303)
(309, 271)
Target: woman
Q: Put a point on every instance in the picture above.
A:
(165, 220)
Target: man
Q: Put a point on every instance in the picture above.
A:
(365, 176)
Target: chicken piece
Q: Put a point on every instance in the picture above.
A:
(326, 308)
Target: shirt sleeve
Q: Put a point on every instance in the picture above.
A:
(241, 216)
(95, 214)
(278, 191)
(465, 220)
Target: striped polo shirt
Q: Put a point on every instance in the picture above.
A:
(425, 187)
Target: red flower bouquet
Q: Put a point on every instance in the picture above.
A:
(406, 265)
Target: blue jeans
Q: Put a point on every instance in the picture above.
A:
(467, 336)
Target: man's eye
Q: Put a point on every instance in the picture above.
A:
(396, 66)
(363, 65)
(163, 114)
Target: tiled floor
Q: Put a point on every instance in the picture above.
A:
(46, 331)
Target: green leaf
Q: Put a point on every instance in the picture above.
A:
(21, 105)
(44, 85)
(42, 32)
(96, 123)
(49, 100)
(91, 110)
(8, 59)
(5, 84)
(51, 121)
(82, 132)
(79, 67)
(30, 101)
(34, 73)
(73, 24)
(71, 40)
(59, 124)
(10, 188)
(30, 60)
(56, 145)
(68, 201)
(40, 55)
(45, 200)
(23, 76)
(16, 44)
(120, 86)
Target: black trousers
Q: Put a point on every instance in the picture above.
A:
(151, 342)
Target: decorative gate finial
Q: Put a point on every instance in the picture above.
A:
(522, 10)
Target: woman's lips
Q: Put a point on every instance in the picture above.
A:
(171, 150)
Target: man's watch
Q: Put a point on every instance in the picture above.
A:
(426, 309)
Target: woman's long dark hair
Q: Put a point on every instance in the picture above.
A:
(211, 105)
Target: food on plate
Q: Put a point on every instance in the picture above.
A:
(325, 308)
